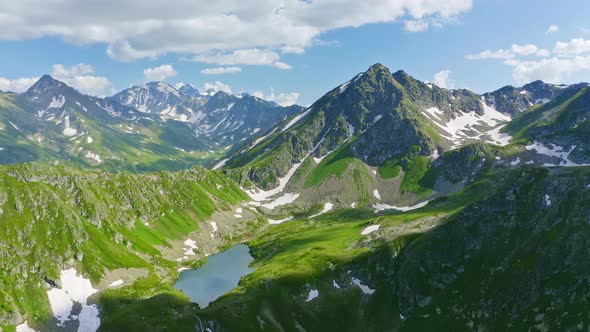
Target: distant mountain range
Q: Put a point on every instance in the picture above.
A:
(149, 127)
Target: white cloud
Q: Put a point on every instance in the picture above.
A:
(198, 27)
(489, 54)
(254, 56)
(216, 86)
(17, 85)
(221, 70)
(416, 25)
(283, 98)
(552, 29)
(515, 50)
(567, 60)
(524, 50)
(543, 52)
(78, 76)
(60, 70)
(442, 79)
(576, 46)
(554, 70)
(159, 73)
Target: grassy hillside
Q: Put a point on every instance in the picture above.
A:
(102, 224)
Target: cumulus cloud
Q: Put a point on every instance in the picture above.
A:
(557, 66)
(159, 73)
(552, 29)
(17, 85)
(489, 54)
(576, 46)
(443, 80)
(216, 86)
(416, 25)
(514, 51)
(252, 56)
(282, 98)
(80, 77)
(200, 27)
(221, 70)
(555, 69)
(527, 49)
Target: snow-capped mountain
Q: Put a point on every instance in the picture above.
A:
(223, 118)
(160, 98)
(513, 100)
(378, 121)
(154, 126)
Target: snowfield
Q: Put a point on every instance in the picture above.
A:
(554, 151)
(282, 200)
(75, 289)
(471, 125)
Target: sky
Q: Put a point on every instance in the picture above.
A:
(291, 51)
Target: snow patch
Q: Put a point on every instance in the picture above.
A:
(380, 207)
(220, 164)
(312, 295)
(57, 102)
(75, 289)
(376, 194)
(554, 151)
(296, 119)
(547, 200)
(68, 131)
(370, 229)
(335, 284)
(116, 283)
(94, 156)
(278, 222)
(327, 207)
(364, 288)
(282, 200)
(24, 327)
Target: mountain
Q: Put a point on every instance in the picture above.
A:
(160, 98)
(54, 122)
(221, 118)
(375, 140)
(513, 100)
(141, 129)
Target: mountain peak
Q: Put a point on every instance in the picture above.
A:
(189, 89)
(162, 87)
(376, 68)
(43, 83)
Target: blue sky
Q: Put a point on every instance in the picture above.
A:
(298, 51)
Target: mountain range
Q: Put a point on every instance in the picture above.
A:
(372, 140)
(389, 204)
(150, 127)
